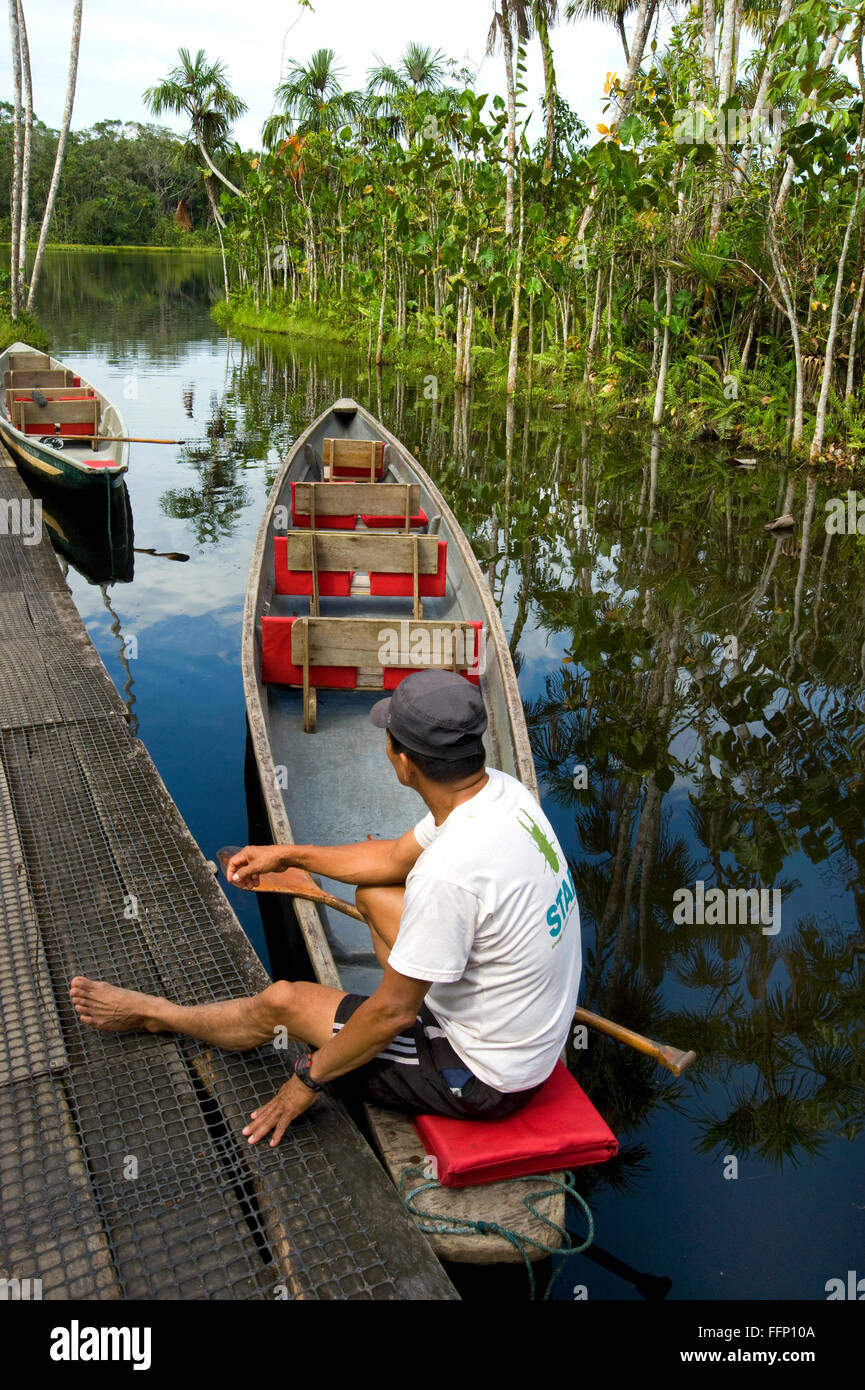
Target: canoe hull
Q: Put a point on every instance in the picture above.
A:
(336, 786)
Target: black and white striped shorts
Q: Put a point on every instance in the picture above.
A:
(420, 1073)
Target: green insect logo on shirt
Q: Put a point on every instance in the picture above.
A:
(540, 841)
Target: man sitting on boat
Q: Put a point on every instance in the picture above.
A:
(474, 921)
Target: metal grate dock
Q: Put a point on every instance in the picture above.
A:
(123, 1170)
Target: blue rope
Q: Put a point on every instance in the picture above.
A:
(462, 1225)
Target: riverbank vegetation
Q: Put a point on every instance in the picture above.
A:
(699, 261)
(124, 184)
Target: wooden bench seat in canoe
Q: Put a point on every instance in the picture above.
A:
(24, 377)
(324, 564)
(363, 653)
(336, 506)
(29, 361)
(77, 418)
(353, 458)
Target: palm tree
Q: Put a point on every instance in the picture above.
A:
(313, 99)
(418, 68)
(390, 88)
(199, 90)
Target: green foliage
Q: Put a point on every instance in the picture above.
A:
(121, 184)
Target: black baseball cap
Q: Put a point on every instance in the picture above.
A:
(435, 713)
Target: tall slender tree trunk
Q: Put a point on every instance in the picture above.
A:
(27, 152)
(645, 15)
(726, 82)
(379, 346)
(458, 345)
(513, 356)
(15, 199)
(656, 309)
(746, 350)
(620, 25)
(543, 32)
(660, 388)
(792, 317)
(596, 321)
(829, 358)
(709, 48)
(219, 225)
(508, 48)
(854, 333)
(61, 151)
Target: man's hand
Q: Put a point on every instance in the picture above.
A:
(290, 1101)
(245, 867)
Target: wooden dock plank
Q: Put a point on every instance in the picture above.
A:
(58, 1238)
(31, 1041)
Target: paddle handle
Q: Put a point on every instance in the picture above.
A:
(670, 1057)
(132, 439)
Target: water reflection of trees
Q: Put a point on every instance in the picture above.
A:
(734, 766)
(213, 506)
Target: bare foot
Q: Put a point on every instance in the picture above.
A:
(112, 1009)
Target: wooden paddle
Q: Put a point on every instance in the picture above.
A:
(299, 884)
(136, 439)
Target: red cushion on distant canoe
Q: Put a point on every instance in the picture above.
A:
(351, 471)
(558, 1128)
(323, 523)
(429, 585)
(396, 522)
(331, 583)
(277, 667)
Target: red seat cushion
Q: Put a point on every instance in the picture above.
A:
(322, 523)
(357, 474)
(64, 400)
(278, 668)
(68, 428)
(331, 583)
(395, 522)
(558, 1128)
(429, 585)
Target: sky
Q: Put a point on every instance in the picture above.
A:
(130, 46)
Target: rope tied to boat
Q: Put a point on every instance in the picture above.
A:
(463, 1225)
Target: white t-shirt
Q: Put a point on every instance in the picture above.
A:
(491, 918)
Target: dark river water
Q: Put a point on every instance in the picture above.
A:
(693, 686)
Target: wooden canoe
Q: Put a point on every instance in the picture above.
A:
(335, 786)
(50, 416)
